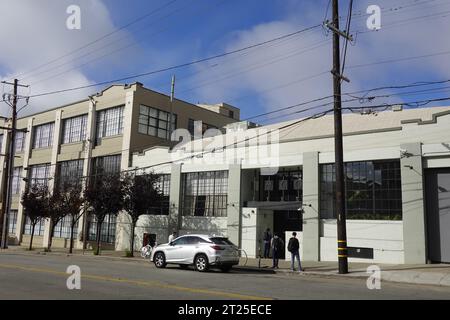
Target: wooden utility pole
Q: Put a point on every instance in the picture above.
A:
(338, 141)
(7, 183)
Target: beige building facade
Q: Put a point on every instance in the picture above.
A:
(102, 131)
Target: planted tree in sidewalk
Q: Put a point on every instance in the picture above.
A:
(72, 204)
(104, 195)
(35, 203)
(55, 212)
(141, 195)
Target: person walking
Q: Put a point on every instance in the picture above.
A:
(294, 249)
(277, 248)
(267, 239)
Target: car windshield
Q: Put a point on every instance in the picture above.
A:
(223, 241)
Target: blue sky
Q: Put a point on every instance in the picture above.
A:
(258, 81)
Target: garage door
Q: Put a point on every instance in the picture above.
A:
(438, 215)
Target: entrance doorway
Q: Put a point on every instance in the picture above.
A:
(438, 214)
(286, 220)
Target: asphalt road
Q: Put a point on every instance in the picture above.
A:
(44, 277)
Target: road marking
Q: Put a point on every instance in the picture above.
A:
(140, 283)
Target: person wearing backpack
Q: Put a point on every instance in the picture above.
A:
(277, 249)
(267, 239)
(294, 249)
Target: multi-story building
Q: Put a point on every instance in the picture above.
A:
(282, 177)
(99, 133)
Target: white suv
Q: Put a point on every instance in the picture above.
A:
(202, 251)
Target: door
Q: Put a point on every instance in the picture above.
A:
(438, 214)
(174, 252)
(286, 220)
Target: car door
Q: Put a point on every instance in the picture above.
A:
(174, 252)
(189, 249)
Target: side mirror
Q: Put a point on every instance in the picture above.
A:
(171, 244)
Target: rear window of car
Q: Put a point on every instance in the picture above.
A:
(220, 240)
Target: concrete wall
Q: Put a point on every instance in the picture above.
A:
(254, 222)
(385, 237)
(413, 203)
(204, 225)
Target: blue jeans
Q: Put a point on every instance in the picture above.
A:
(266, 249)
(295, 254)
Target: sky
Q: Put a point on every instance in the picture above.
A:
(39, 50)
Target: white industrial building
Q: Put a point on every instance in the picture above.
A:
(252, 178)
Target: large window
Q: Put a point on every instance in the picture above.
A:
(372, 190)
(12, 221)
(109, 122)
(107, 232)
(19, 141)
(38, 229)
(39, 174)
(62, 228)
(286, 185)
(74, 129)
(43, 135)
(205, 194)
(163, 185)
(155, 122)
(70, 173)
(108, 164)
(17, 177)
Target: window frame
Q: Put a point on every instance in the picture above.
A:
(148, 122)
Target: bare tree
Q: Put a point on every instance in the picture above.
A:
(140, 196)
(105, 197)
(35, 203)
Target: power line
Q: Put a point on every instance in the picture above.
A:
(148, 14)
(183, 65)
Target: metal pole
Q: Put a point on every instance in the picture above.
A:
(172, 96)
(10, 169)
(338, 147)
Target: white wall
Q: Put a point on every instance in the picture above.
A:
(204, 225)
(385, 237)
(156, 224)
(254, 223)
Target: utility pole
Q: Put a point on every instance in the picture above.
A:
(7, 184)
(338, 140)
(172, 96)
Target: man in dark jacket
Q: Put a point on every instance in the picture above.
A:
(267, 238)
(294, 249)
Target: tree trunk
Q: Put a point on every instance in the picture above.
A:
(32, 235)
(99, 227)
(50, 238)
(72, 226)
(133, 226)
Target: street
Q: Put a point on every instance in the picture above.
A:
(29, 276)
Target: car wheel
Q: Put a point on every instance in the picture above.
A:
(159, 260)
(225, 268)
(184, 266)
(201, 263)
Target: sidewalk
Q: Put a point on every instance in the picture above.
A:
(427, 274)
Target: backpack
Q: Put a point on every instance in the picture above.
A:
(278, 244)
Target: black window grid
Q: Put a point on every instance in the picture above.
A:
(155, 122)
(205, 194)
(372, 190)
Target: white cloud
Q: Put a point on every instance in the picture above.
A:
(35, 32)
(417, 37)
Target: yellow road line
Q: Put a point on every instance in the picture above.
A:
(139, 283)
